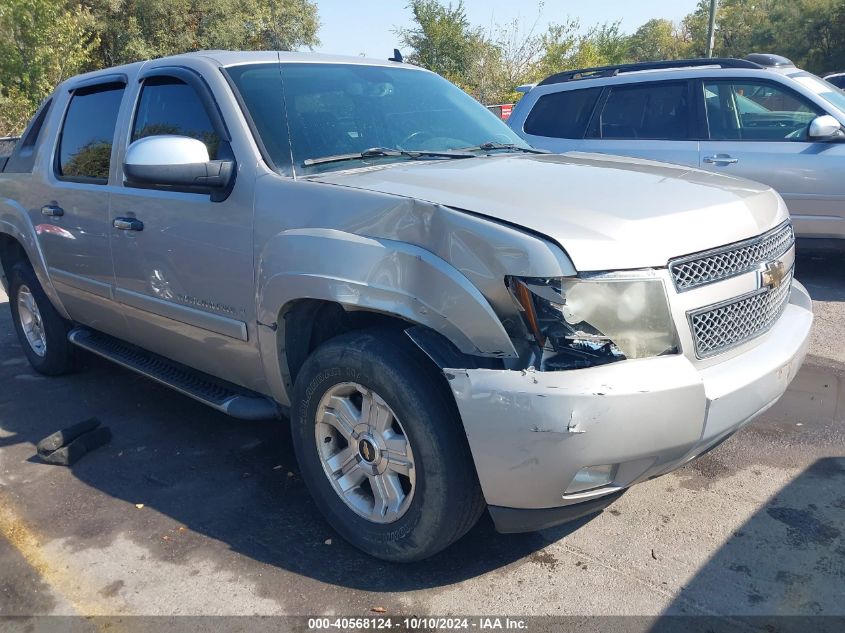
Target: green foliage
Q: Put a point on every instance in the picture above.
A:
(131, 30)
(658, 39)
(43, 42)
(443, 40)
(46, 41)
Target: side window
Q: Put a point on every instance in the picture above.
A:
(756, 111)
(647, 111)
(170, 106)
(562, 114)
(22, 159)
(88, 132)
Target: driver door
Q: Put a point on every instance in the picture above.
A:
(757, 129)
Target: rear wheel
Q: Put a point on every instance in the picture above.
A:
(41, 330)
(382, 448)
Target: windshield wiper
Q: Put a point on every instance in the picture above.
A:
(378, 152)
(491, 145)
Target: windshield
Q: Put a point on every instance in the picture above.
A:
(347, 109)
(822, 88)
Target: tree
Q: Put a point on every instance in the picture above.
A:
(442, 40)
(44, 42)
(131, 30)
(657, 39)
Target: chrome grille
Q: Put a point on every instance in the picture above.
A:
(722, 326)
(708, 267)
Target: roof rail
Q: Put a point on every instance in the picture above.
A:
(612, 71)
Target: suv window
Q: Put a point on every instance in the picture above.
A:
(88, 132)
(562, 114)
(646, 111)
(170, 106)
(756, 111)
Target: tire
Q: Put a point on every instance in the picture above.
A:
(55, 357)
(442, 497)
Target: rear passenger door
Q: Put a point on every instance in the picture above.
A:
(758, 130)
(654, 120)
(69, 201)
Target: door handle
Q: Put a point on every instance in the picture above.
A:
(128, 224)
(52, 210)
(720, 159)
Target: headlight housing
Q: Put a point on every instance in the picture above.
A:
(580, 322)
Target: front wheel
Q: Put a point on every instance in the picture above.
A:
(382, 448)
(41, 330)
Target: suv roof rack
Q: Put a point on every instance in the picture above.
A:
(612, 71)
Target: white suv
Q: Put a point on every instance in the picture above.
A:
(760, 118)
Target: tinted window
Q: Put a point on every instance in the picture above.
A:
(88, 132)
(562, 114)
(838, 81)
(170, 106)
(646, 111)
(754, 111)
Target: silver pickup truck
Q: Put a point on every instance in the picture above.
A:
(451, 320)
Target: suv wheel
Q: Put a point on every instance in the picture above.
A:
(41, 330)
(382, 448)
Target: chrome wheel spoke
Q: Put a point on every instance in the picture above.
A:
(343, 416)
(387, 494)
(342, 461)
(376, 413)
(397, 454)
(352, 477)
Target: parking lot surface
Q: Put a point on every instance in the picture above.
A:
(190, 512)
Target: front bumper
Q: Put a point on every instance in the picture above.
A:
(530, 432)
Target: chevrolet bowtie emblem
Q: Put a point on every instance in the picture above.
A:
(772, 274)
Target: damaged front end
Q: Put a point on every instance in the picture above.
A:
(587, 321)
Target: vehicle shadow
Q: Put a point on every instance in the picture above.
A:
(232, 481)
(822, 274)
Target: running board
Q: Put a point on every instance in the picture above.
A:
(223, 396)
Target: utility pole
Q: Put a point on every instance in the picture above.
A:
(711, 32)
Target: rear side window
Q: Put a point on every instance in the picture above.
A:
(169, 106)
(562, 114)
(88, 132)
(23, 158)
(647, 111)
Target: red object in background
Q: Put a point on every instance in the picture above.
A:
(506, 111)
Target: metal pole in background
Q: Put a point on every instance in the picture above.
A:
(711, 33)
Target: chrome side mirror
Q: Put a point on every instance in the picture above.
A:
(178, 161)
(825, 128)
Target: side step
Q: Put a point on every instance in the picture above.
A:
(223, 396)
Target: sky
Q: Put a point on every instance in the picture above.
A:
(352, 27)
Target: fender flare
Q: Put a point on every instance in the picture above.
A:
(377, 275)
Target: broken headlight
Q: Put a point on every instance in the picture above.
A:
(580, 322)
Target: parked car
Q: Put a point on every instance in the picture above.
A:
(837, 79)
(450, 319)
(760, 118)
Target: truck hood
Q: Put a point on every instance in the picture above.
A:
(606, 212)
